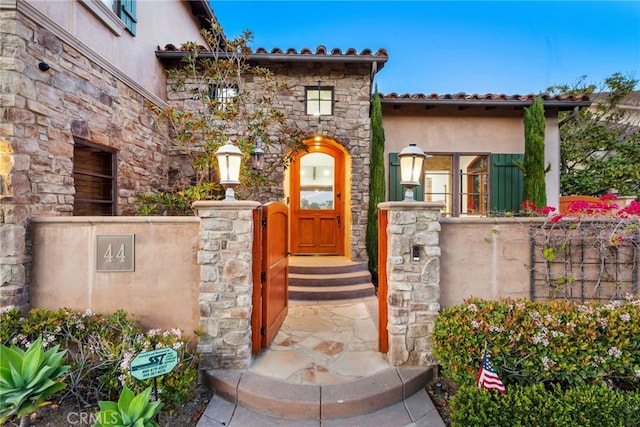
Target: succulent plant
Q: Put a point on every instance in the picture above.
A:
(28, 378)
(129, 411)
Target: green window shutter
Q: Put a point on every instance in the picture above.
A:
(396, 192)
(127, 12)
(506, 182)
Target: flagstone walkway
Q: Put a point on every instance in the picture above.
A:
(324, 343)
(322, 366)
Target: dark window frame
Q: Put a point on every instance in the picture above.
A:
(218, 93)
(318, 100)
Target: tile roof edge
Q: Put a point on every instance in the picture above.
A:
(321, 52)
(461, 96)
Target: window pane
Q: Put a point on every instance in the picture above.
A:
(317, 181)
(319, 102)
(474, 178)
(223, 94)
(438, 182)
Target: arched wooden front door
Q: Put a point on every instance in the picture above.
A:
(317, 201)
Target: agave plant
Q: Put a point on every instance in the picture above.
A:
(129, 411)
(28, 379)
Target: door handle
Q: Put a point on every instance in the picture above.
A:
(338, 219)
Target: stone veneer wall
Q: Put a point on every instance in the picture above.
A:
(80, 96)
(226, 283)
(413, 287)
(349, 126)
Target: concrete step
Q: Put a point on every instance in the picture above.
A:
(327, 293)
(325, 265)
(390, 391)
(328, 278)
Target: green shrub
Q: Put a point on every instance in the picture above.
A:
(129, 411)
(29, 378)
(524, 406)
(100, 349)
(552, 342)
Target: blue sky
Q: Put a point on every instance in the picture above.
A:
(449, 47)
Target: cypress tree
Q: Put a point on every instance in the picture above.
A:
(533, 168)
(376, 184)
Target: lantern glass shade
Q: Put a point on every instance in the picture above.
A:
(257, 159)
(257, 156)
(229, 159)
(411, 164)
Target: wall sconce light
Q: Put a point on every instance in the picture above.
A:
(257, 156)
(43, 66)
(411, 165)
(229, 158)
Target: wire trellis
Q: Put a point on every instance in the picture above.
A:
(588, 260)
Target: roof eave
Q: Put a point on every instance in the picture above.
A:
(277, 57)
(561, 105)
(202, 10)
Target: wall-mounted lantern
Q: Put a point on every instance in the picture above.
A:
(411, 166)
(257, 156)
(229, 158)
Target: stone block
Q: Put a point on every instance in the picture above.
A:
(418, 330)
(397, 329)
(236, 272)
(236, 338)
(12, 240)
(426, 238)
(209, 273)
(398, 353)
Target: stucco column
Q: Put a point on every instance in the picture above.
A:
(413, 284)
(226, 283)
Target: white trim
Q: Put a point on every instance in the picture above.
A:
(106, 15)
(36, 16)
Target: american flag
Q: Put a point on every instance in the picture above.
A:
(487, 376)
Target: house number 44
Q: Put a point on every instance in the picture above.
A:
(115, 252)
(120, 256)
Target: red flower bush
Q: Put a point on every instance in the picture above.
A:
(633, 209)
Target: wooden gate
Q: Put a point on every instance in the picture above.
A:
(270, 273)
(383, 336)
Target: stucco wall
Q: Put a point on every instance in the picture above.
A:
(484, 257)
(480, 257)
(162, 291)
(159, 22)
(470, 130)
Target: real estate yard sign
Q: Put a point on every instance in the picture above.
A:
(153, 363)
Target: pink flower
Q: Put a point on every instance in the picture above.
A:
(546, 210)
(556, 218)
(633, 209)
(528, 206)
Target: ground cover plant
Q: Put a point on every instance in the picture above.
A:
(99, 349)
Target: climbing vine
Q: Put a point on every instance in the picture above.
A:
(590, 253)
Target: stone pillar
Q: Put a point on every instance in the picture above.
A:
(413, 285)
(226, 283)
(14, 262)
